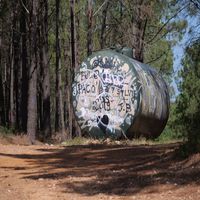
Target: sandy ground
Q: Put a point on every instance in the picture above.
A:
(142, 172)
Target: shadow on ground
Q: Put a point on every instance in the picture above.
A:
(108, 169)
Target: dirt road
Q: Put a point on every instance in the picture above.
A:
(97, 172)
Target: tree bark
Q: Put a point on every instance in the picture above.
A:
(32, 97)
(70, 73)
(12, 106)
(46, 122)
(17, 66)
(68, 107)
(103, 26)
(89, 31)
(24, 67)
(12, 112)
(2, 109)
(138, 31)
(77, 34)
(73, 34)
(138, 53)
(59, 115)
(6, 91)
(5, 69)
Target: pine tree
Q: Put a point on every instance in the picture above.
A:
(188, 102)
(32, 92)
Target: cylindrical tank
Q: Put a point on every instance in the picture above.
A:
(116, 96)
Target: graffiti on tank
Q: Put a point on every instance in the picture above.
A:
(106, 96)
(152, 83)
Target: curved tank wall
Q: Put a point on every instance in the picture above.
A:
(116, 96)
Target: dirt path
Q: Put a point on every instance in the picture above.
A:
(97, 172)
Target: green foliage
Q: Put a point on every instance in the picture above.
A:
(188, 102)
(169, 135)
(170, 132)
(161, 56)
(6, 131)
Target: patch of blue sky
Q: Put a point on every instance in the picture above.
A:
(192, 32)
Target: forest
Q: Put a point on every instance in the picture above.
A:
(43, 42)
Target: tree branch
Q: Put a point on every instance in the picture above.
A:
(165, 24)
(100, 8)
(157, 58)
(196, 4)
(26, 9)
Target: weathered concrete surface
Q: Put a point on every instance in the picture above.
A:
(116, 96)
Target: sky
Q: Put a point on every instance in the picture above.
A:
(178, 50)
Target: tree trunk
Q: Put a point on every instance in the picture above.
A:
(2, 109)
(59, 116)
(73, 34)
(12, 112)
(103, 26)
(138, 31)
(12, 106)
(46, 122)
(137, 42)
(24, 80)
(6, 92)
(77, 35)
(17, 66)
(72, 68)
(89, 31)
(68, 107)
(32, 97)
(40, 71)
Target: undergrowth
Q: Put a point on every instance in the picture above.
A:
(139, 141)
(4, 131)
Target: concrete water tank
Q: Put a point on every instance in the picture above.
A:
(116, 96)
